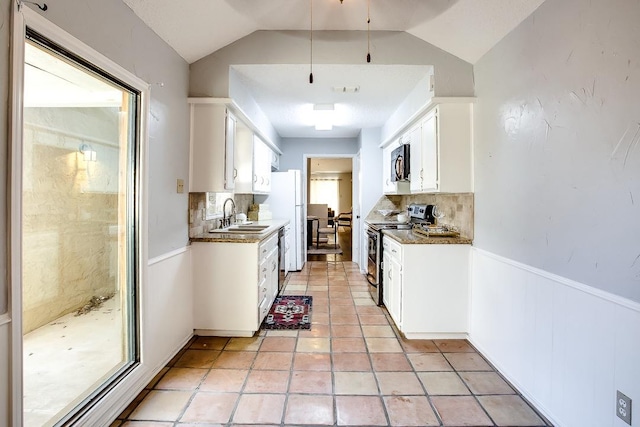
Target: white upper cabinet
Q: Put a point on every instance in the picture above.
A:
(212, 140)
(253, 161)
(452, 140)
(441, 150)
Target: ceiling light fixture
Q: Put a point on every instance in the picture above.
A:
(323, 115)
(368, 30)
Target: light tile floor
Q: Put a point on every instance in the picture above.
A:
(351, 369)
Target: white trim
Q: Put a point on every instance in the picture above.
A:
(607, 296)
(428, 106)
(24, 17)
(437, 336)
(15, 215)
(4, 319)
(168, 255)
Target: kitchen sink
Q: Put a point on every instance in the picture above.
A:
(242, 229)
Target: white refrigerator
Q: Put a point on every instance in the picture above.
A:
(285, 202)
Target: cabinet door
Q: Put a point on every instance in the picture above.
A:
(396, 292)
(429, 156)
(387, 280)
(415, 161)
(230, 171)
(261, 166)
(208, 145)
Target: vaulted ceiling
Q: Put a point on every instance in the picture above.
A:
(464, 28)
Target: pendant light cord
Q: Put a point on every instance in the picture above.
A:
(311, 45)
(368, 31)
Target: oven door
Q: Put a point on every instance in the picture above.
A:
(373, 265)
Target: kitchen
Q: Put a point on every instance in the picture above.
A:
(537, 275)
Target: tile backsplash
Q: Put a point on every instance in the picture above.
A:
(457, 207)
(205, 210)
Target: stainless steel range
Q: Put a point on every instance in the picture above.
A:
(418, 214)
(374, 255)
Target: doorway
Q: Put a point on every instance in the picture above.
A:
(330, 199)
(79, 233)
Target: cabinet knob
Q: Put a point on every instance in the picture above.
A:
(255, 178)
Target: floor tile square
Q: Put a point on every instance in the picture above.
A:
(354, 362)
(160, 405)
(346, 331)
(486, 383)
(317, 410)
(210, 408)
(317, 382)
(267, 382)
(378, 331)
(429, 362)
(383, 345)
(510, 411)
(467, 362)
(348, 345)
(181, 379)
(311, 362)
(443, 384)
(356, 383)
(281, 333)
(385, 362)
(399, 383)
(273, 361)
(410, 411)
(197, 359)
(454, 346)
(224, 380)
(316, 331)
(278, 344)
(209, 343)
(259, 409)
(344, 319)
(360, 411)
(419, 346)
(460, 411)
(244, 344)
(313, 345)
(373, 319)
(235, 359)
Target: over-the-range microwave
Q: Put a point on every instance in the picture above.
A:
(400, 163)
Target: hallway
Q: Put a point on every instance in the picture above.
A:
(352, 368)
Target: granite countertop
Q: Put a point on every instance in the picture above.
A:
(408, 237)
(274, 226)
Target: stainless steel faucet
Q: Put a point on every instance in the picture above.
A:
(226, 220)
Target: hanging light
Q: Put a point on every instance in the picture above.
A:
(368, 30)
(311, 45)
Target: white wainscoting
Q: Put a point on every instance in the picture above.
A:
(167, 325)
(566, 346)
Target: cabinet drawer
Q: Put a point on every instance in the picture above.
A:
(263, 309)
(267, 246)
(392, 248)
(262, 290)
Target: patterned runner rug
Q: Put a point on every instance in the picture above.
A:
(289, 312)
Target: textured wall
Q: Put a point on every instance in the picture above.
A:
(557, 158)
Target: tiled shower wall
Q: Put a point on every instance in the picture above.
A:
(457, 207)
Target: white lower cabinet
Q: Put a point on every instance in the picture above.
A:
(426, 288)
(235, 285)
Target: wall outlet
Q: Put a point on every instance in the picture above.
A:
(623, 407)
